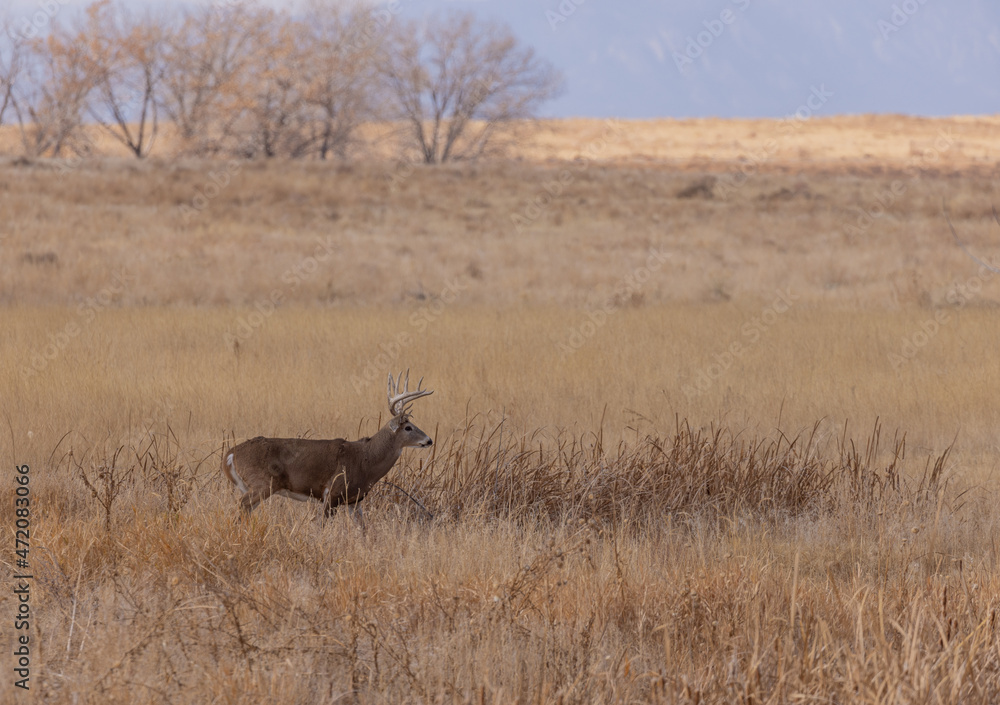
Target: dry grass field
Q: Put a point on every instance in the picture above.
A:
(708, 427)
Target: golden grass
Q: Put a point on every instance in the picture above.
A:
(840, 142)
(655, 475)
(825, 141)
(322, 371)
(581, 573)
(311, 233)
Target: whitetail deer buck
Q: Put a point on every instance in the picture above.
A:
(334, 472)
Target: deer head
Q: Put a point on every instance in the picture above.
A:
(400, 403)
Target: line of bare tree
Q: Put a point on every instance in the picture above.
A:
(238, 79)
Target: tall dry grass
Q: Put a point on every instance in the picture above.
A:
(805, 576)
(381, 233)
(587, 544)
(763, 475)
(321, 371)
(817, 578)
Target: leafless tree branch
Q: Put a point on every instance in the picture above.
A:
(459, 83)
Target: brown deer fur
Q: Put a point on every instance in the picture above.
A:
(334, 472)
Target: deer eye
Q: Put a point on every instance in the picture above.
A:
(409, 428)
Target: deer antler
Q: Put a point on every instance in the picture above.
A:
(400, 402)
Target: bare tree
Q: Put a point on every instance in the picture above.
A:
(460, 83)
(11, 65)
(272, 118)
(205, 56)
(341, 77)
(124, 56)
(52, 96)
(244, 79)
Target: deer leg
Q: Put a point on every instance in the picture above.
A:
(330, 503)
(357, 514)
(334, 494)
(251, 498)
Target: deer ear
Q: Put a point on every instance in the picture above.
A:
(394, 423)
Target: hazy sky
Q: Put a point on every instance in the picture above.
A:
(732, 58)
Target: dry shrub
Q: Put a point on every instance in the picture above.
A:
(700, 566)
(479, 472)
(169, 472)
(713, 472)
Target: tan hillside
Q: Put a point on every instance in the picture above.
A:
(714, 419)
